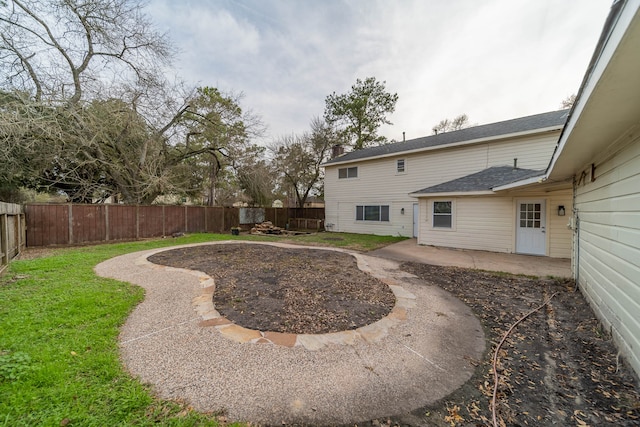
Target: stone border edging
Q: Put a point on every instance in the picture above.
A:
(204, 307)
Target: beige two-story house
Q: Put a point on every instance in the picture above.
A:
(441, 189)
(577, 193)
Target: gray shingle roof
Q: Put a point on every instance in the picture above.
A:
(482, 181)
(522, 124)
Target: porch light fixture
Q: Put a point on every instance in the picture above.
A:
(561, 210)
(401, 211)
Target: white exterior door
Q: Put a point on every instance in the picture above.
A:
(416, 218)
(531, 237)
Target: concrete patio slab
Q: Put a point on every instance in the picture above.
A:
(530, 265)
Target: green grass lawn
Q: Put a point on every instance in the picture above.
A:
(59, 325)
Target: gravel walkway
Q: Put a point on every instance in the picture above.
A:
(392, 367)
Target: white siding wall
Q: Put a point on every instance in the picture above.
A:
(559, 231)
(607, 253)
(489, 223)
(379, 183)
(483, 223)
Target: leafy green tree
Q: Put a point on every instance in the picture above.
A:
(216, 131)
(359, 113)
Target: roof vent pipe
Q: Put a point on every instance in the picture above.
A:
(403, 136)
(515, 163)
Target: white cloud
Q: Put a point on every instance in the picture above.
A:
(493, 60)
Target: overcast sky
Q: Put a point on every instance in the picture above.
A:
(491, 59)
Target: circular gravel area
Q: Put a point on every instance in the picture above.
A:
(418, 354)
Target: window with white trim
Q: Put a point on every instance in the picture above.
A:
(372, 213)
(351, 172)
(400, 166)
(442, 214)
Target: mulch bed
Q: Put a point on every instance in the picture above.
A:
(558, 367)
(300, 291)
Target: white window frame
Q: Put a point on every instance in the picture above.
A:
(361, 213)
(349, 172)
(451, 215)
(404, 166)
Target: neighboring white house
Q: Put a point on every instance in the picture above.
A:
(439, 189)
(599, 151)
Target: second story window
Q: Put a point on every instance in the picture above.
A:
(400, 165)
(351, 172)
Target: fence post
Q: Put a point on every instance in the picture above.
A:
(106, 222)
(4, 232)
(137, 221)
(163, 222)
(186, 214)
(19, 232)
(70, 223)
(23, 231)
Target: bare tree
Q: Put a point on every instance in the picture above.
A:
(85, 109)
(298, 158)
(568, 101)
(58, 50)
(449, 125)
(255, 176)
(63, 60)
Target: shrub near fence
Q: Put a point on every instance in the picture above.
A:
(73, 224)
(12, 233)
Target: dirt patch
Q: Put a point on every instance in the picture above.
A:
(303, 291)
(558, 367)
(34, 253)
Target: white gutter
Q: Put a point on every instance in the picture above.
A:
(528, 181)
(450, 145)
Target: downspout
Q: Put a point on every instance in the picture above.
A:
(577, 235)
(577, 251)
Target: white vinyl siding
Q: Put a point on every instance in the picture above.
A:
(559, 233)
(378, 179)
(489, 223)
(483, 223)
(607, 253)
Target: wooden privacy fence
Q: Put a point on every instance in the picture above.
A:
(73, 224)
(306, 224)
(12, 233)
